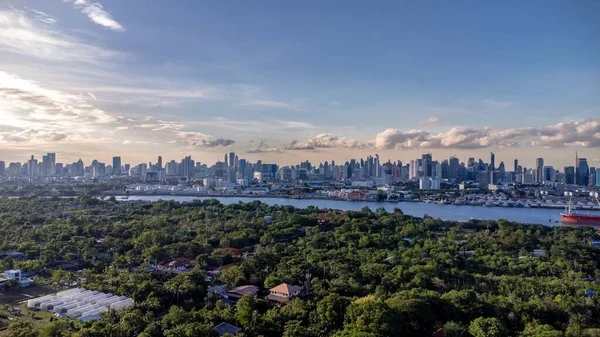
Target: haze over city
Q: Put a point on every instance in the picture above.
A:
(285, 81)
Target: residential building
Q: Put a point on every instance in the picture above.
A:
(284, 292)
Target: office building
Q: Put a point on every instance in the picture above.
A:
(116, 166)
(569, 175)
(2, 168)
(453, 168)
(539, 171)
(492, 161)
(32, 167)
(427, 164)
(582, 172)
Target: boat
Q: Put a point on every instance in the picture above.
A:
(571, 217)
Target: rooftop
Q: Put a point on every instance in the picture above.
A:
(285, 288)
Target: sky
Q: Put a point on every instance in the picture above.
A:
(288, 81)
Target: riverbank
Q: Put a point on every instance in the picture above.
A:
(461, 213)
(519, 204)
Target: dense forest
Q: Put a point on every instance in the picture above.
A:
(366, 273)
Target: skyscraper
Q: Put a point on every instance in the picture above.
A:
(188, 167)
(539, 170)
(32, 165)
(569, 175)
(427, 164)
(582, 172)
(116, 166)
(492, 161)
(453, 168)
(231, 159)
(516, 166)
(2, 168)
(159, 163)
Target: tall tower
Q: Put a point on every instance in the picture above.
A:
(116, 166)
(492, 161)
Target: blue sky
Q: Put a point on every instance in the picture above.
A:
(294, 80)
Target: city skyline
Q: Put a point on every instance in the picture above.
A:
(490, 159)
(285, 82)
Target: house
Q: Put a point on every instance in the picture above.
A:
(178, 265)
(284, 292)
(15, 274)
(239, 292)
(225, 327)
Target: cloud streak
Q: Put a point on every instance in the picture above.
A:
(198, 139)
(32, 112)
(96, 13)
(24, 35)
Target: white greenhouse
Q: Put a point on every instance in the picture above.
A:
(80, 303)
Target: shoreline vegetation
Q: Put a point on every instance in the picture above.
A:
(266, 196)
(368, 272)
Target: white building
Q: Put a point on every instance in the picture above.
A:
(16, 274)
(429, 183)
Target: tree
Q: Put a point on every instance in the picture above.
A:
(244, 309)
(536, 329)
(22, 329)
(487, 327)
(232, 276)
(58, 328)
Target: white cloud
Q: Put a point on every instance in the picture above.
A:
(430, 120)
(95, 12)
(199, 139)
(497, 103)
(325, 140)
(269, 104)
(263, 148)
(22, 35)
(92, 95)
(37, 113)
(162, 125)
(42, 17)
(582, 133)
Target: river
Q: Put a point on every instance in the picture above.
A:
(549, 217)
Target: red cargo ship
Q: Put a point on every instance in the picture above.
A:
(571, 217)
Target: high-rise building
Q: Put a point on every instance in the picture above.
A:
(2, 168)
(597, 177)
(32, 165)
(171, 168)
(516, 166)
(188, 167)
(453, 168)
(231, 159)
(427, 164)
(492, 161)
(539, 170)
(582, 172)
(159, 163)
(549, 174)
(569, 175)
(116, 166)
